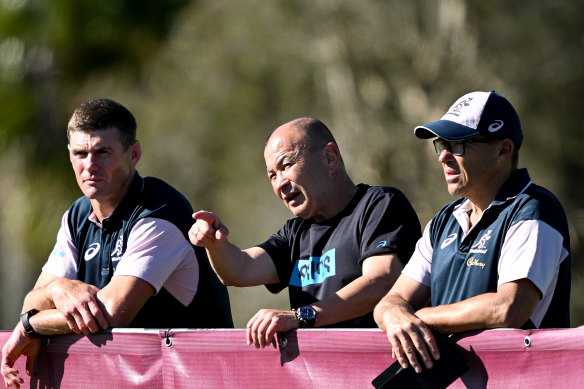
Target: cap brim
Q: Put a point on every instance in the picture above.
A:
(445, 129)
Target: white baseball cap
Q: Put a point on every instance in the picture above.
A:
(474, 114)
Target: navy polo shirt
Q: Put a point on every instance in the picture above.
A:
(466, 266)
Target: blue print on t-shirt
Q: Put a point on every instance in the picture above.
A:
(313, 270)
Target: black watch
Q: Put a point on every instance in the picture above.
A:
(306, 316)
(24, 318)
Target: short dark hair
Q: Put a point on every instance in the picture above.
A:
(103, 114)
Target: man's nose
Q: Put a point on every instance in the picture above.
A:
(445, 155)
(281, 181)
(91, 163)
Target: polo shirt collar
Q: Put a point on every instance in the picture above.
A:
(134, 190)
(516, 184)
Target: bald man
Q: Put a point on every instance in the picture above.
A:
(338, 256)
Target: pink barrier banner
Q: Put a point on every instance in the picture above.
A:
(301, 359)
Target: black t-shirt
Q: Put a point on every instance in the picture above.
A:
(316, 259)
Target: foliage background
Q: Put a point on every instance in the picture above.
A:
(208, 80)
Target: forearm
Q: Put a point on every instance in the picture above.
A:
(459, 317)
(236, 267)
(50, 322)
(354, 300)
(49, 290)
(227, 260)
(40, 296)
(488, 310)
(120, 301)
(37, 299)
(387, 304)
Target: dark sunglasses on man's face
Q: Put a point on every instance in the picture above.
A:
(457, 148)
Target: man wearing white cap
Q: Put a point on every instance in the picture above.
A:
(498, 256)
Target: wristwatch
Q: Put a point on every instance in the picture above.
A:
(24, 318)
(306, 316)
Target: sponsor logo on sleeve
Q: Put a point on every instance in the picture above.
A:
(58, 253)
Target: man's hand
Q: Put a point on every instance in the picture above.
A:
(262, 327)
(207, 229)
(407, 333)
(18, 344)
(233, 266)
(77, 301)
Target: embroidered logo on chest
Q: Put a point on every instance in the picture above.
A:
(481, 246)
(472, 261)
(118, 250)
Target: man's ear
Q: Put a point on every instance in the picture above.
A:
(506, 148)
(333, 156)
(135, 153)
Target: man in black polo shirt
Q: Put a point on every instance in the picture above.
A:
(122, 256)
(499, 256)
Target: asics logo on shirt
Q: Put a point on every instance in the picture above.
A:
(451, 238)
(313, 270)
(91, 251)
(381, 243)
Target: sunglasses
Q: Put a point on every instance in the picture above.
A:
(457, 148)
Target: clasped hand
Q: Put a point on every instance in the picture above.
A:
(77, 302)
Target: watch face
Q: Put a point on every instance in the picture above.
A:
(307, 313)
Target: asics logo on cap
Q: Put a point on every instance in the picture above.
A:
(496, 126)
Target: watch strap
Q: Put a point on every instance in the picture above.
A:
(24, 318)
(301, 322)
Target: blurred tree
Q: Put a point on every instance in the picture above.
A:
(209, 80)
(47, 49)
